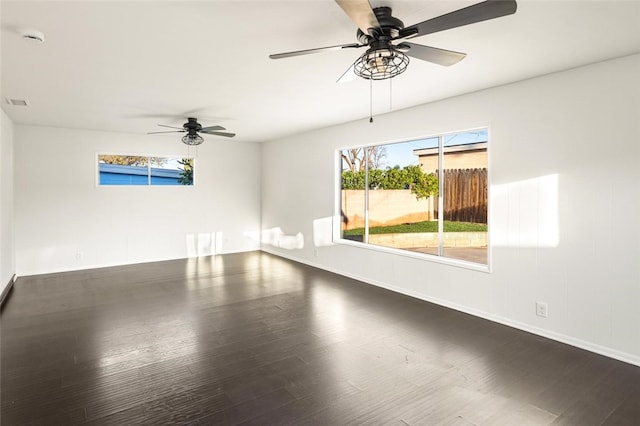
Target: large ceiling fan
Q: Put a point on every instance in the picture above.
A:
(386, 35)
(192, 129)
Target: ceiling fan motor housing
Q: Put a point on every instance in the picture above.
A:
(382, 60)
(390, 27)
(192, 125)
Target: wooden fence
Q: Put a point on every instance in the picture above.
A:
(465, 195)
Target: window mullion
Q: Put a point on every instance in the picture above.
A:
(440, 195)
(366, 194)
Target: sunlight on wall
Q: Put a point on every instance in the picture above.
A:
(204, 244)
(525, 213)
(323, 232)
(277, 238)
(254, 236)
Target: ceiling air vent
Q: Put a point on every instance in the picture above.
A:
(17, 102)
(32, 35)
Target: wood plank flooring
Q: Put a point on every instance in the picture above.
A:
(255, 339)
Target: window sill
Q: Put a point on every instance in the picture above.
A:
(420, 256)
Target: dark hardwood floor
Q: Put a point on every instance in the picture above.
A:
(255, 339)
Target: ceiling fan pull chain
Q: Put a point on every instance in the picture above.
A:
(370, 100)
(390, 94)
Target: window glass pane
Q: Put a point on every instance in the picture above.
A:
(465, 196)
(143, 170)
(171, 171)
(123, 170)
(352, 199)
(403, 195)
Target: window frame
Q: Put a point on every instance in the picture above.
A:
(337, 229)
(98, 154)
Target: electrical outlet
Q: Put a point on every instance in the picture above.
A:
(541, 309)
(79, 256)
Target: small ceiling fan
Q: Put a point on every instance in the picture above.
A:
(192, 129)
(379, 30)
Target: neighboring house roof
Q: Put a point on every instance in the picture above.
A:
(467, 147)
(139, 170)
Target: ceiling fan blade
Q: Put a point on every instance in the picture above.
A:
(171, 131)
(348, 75)
(171, 127)
(208, 128)
(225, 134)
(433, 54)
(316, 50)
(479, 12)
(361, 13)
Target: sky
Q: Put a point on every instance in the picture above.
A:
(401, 154)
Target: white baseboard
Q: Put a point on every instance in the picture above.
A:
(559, 337)
(112, 264)
(7, 289)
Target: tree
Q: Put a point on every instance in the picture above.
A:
(411, 177)
(354, 158)
(376, 178)
(186, 172)
(132, 160)
(353, 180)
(395, 178)
(422, 184)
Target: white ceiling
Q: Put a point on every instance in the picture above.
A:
(128, 65)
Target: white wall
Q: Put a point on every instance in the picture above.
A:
(7, 251)
(63, 221)
(565, 199)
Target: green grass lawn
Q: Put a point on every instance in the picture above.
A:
(428, 226)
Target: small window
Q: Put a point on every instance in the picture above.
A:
(130, 170)
(426, 196)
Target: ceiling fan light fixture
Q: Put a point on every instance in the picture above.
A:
(192, 139)
(381, 63)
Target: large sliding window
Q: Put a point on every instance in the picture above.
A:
(427, 196)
